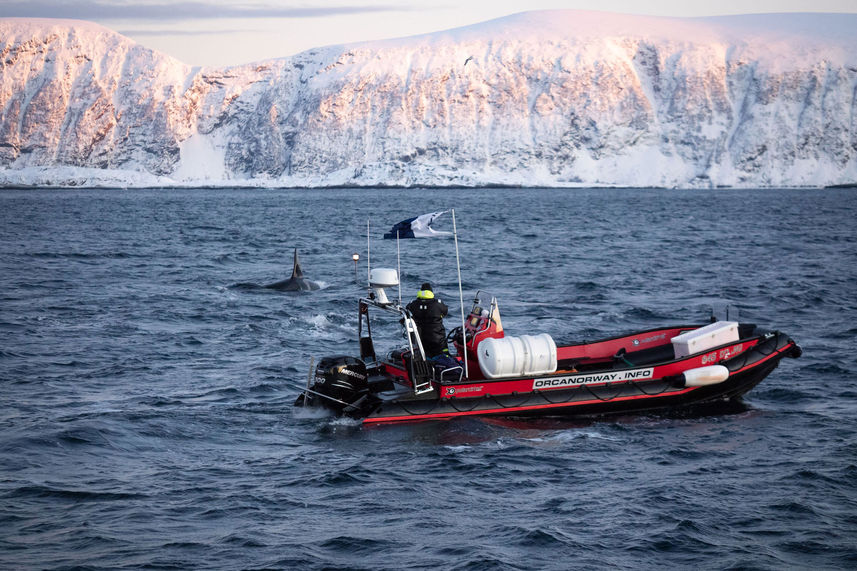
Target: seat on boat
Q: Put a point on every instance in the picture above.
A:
(442, 370)
(447, 369)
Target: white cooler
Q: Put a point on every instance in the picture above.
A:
(705, 338)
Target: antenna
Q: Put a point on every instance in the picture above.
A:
(368, 257)
(460, 295)
(399, 267)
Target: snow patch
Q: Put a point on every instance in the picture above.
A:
(202, 159)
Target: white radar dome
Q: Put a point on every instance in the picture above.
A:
(383, 277)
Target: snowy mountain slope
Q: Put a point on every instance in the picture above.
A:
(77, 94)
(560, 98)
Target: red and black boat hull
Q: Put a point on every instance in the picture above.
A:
(659, 392)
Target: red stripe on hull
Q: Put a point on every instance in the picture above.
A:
(438, 416)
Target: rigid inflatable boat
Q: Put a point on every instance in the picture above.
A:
(531, 375)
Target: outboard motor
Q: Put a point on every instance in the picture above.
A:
(340, 382)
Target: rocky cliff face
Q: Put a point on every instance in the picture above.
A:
(544, 98)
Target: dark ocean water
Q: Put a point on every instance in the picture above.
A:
(146, 412)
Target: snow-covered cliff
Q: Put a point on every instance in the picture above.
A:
(558, 98)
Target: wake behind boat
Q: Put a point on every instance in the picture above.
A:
(662, 369)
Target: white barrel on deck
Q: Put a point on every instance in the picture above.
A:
(524, 356)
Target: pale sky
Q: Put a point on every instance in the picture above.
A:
(222, 32)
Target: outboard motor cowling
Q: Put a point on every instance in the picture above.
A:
(340, 381)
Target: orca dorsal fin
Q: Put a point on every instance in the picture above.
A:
(297, 272)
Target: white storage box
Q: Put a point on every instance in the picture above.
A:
(705, 338)
(527, 355)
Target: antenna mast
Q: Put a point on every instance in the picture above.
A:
(399, 267)
(460, 295)
(368, 257)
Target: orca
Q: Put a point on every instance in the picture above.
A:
(295, 283)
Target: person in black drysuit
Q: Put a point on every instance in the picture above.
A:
(428, 313)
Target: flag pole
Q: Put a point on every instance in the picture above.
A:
(368, 257)
(460, 295)
(398, 268)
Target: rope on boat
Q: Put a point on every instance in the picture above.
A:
(773, 341)
(639, 388)
(759, 348)
(452, 404)
(593, 393)
(542, 394)
(520, 404)
(734, 360)
(429, 411)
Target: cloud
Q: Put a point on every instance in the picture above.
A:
(105, 10)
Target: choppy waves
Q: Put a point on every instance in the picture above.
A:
(147, 417)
